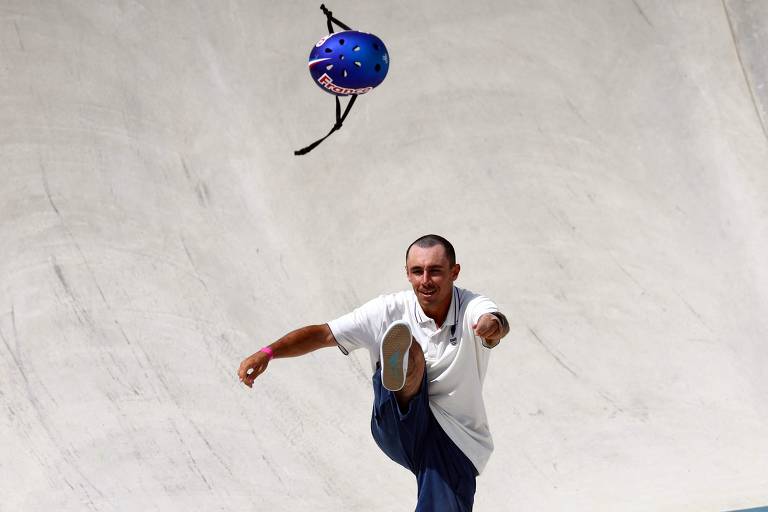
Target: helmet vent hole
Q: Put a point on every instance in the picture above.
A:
(341, 41)
(330, 67)
(328, 50)
(376, 46)
(358, 64)
(345, 73)
(341, 57)
(356, 49)
(377, 67)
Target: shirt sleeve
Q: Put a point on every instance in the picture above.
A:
(479, 306)
(360, 328)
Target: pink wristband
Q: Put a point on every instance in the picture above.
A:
(269, 352)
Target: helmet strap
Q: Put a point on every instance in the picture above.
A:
(339, 116)
(331, 20)
(339, 120)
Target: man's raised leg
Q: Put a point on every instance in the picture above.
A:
(403, 426)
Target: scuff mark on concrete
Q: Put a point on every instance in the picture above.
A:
(18, 36)
(203, 195)
(47, 188)
(642, 13)
(185, 168)
(552, 353)
(627, 273)
(692, 310)
(192, 262)
(576, 111)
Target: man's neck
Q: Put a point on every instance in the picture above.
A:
(440, 312)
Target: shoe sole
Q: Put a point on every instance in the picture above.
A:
(394, 348)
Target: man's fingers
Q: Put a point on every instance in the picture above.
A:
(249, 369)
(486, 329)
(248, 379)
(245, 365)
(251, 372)
(481, 326)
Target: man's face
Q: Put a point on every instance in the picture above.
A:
(431, 275)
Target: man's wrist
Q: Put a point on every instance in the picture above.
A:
(503, 323)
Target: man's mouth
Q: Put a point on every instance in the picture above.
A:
(428, 293)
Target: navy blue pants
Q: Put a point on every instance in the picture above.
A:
(415, 440)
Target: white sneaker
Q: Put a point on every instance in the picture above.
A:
(393, 354)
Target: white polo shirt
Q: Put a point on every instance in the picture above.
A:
(456, 359)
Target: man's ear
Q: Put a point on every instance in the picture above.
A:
(455, 271)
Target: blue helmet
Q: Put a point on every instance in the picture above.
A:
(348, 62)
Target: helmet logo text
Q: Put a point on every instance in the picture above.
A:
(327, 82)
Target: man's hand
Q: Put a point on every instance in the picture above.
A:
(251, 367)
(491, 328)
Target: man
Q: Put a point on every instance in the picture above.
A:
(429, 351)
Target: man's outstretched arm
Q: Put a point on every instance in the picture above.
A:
(295, 343)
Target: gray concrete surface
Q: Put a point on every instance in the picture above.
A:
(600, 167)
(749, 25)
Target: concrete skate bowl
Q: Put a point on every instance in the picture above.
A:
(601, 168)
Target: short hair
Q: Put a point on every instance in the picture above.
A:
(431, 241)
